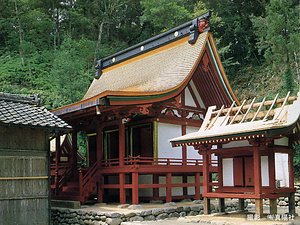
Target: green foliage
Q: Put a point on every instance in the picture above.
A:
(278, 39)
(49, 47)
(296, 161)
(82, 143)
(164, 14)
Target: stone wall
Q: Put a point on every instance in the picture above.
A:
(134, 213)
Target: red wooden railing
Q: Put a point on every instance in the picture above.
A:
(59, 178)
(88, 177)
(138, 160)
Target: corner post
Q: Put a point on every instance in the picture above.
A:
(257, 182)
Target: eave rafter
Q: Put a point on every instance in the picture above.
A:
(257, 123)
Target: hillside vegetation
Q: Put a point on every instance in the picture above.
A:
(50, 47)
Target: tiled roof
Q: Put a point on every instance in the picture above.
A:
(153, 72)
(17, 110)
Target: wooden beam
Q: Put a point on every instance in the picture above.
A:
(241, 204)
(257, 170)
(155, 180)
(205, 172)
(292, 203)
(273, 206)
(99, 190)
(197, 186)
(122, 188)
(135, 188)
(291, 171)
(221, 205)
(259, 207)
(206, 204)
(168, 188)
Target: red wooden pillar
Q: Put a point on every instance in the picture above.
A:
(80, 182)
(122, 189)
(220, 172)
(257, 181)
(184, 148)
(121, 143)
(135, 188)
(99, 145)
(206, 188)
(184, 189)
(271, 162)
(197, 187)
(99, 190)
(74, 151)
(155, 190)
(257, 171)
(99, 158)
(272, 180)
(205, 172)
(291, 171)
(291, 181)
(168, 188)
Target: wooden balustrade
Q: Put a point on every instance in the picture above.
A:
(138, 160)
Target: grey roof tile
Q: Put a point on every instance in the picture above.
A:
(26, 111)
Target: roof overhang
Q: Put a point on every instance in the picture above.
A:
(219, 126)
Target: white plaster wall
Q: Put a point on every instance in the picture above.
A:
(265, 171)
(176, 191)
(146, 179)
(191, 152)
(165, 133)
(191, 190)
(197, 95)
(189, 101)
(282, 169)
(282, 141)
(228, 172)
(234, 144)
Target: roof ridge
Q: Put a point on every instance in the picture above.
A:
(35, 100)
(191, 28)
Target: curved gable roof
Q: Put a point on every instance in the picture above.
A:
(155, 72)
(158, 75)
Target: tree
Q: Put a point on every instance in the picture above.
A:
(278, 39)
(164, 14)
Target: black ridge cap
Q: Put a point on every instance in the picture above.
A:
(20, 98)
(184, 30)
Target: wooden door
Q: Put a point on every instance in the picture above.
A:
(238, 171)
(142, 141)
(249, 174)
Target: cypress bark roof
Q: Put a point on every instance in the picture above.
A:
(158, 70)
(17, 110)
(152, 73)
(267, 119)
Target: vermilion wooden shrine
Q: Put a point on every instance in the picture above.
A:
(254, 148)
(140, 98)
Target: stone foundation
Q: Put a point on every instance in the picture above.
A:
(74, 216)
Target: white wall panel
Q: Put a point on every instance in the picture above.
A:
(282, 169)
(165, 133)
(228, 172)
(265, 171)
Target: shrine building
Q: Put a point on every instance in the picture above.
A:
(254, 145)
(141, 98)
